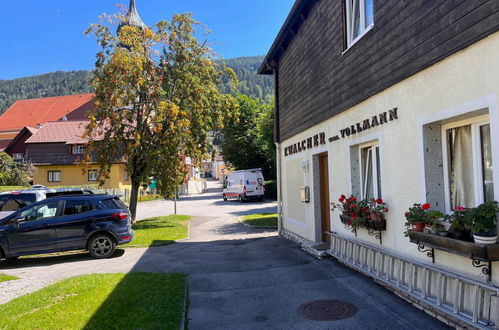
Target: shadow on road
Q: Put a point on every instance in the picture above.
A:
(52, 259)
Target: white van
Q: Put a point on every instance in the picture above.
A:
(244, 185)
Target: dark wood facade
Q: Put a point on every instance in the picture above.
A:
(319, 78)
(52, 154)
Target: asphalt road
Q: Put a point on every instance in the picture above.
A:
(238, 277)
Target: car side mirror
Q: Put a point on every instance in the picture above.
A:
(18, 219)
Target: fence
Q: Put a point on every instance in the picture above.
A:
(461, 299)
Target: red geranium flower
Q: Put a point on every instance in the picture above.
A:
(459, 208)
(348, 222)
(342, 198)
(379, 201)
(425, 206)
(353, 206)
(386, 210)
(354, 199)
(406, 214)
(363, 209)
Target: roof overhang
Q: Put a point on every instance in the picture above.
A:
(299, 14)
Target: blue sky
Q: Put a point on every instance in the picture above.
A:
(40, 36)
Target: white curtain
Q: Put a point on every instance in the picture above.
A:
(462, 191)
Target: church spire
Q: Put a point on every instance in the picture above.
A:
(132, 17)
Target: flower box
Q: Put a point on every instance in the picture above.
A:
(471, 250)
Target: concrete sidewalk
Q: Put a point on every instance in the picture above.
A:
(259, 283)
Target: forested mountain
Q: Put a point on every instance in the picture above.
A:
(45, 85)
(250, 83)
(76, 82)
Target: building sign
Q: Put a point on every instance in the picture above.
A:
(366, 124)
(308, 143)
(320, 139)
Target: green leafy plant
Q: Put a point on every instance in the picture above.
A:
(483, 217)
(418, 213)
(459, 219)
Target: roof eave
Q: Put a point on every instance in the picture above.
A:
(295, 19)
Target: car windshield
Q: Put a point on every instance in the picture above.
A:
(14, 202)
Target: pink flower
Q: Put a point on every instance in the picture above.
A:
(459, 208)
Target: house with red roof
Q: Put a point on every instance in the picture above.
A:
(36, 112)
(57, 150)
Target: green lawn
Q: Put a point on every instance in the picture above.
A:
(101, 301)
(5, 277)
(261, 220)
(159, 231)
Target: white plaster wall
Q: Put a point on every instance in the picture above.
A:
(467, 80)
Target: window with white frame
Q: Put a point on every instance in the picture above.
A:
(17, 156)
(359, 19)
(370, 172)
(467, 155)
(92, 175)
(54, 176)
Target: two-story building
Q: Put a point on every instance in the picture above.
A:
(395, 100)
(57, 150)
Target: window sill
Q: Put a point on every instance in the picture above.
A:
(369, 28)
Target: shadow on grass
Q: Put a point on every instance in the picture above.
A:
(143, 301)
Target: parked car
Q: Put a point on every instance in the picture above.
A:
(12, 201)
(96, 223)
(244, 185)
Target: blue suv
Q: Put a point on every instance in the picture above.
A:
(96, 223)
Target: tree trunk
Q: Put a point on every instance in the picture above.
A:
(133, 199)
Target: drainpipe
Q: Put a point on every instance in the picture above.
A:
(277, 139)
(279, 190)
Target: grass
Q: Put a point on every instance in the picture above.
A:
(5, 277)
(101, 301)
(261, 220)
(159, 231)
(146, 198)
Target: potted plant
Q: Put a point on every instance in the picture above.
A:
(417, 217)
(352, 211)
(459, 224)
(483, 219)
(433, 224)
(376, 210)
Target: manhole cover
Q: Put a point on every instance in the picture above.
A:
(327, 310)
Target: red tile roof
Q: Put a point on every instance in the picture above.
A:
(39, 111)
(69, 132)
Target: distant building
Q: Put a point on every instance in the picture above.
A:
(57, 149)
(17, 146)
(36, 112)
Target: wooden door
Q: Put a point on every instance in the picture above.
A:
(324, 189)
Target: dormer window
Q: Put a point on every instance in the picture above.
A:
(78, 149)
(359, 19)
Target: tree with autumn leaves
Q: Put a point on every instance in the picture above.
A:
(157, 98)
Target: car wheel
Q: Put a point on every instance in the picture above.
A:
(243, 198)
(225, 197)
(101, 246)
(260, 199)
